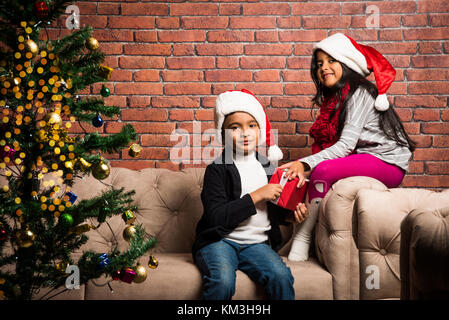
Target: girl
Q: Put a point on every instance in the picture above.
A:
(356, 132)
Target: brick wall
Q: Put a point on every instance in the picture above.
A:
(171, 59)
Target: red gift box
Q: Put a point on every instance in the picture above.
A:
(291, 195)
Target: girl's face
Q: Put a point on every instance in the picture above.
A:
(329, 70)
(243, 130)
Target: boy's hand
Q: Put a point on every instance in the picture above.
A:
(299, 215)
(268, 192)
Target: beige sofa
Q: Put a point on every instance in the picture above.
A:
(356, 250)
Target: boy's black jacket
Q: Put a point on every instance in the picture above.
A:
(223, 208)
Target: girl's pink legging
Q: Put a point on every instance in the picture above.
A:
(330, 171)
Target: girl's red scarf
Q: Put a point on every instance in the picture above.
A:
(324, 129)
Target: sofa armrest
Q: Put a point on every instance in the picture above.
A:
(424, 254)
(334, 240)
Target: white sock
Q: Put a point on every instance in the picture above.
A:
(303, 237)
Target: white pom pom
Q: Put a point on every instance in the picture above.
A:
(381, 102)
(274, 153)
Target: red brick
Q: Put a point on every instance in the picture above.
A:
(289, 22)
(266, 9)
(267, 75)
(221, 49)
(227, 62)
(212, 22)
(390, 22)
(138, 88)
(437, 167)
(276, 114)
(394, 6)
(141, 62)
(175, 102)
(262, 62)
(435, 128)
(303, 49)
(268, 49)
(267, 36)
(230, 36)
(113, 35)
(218, 88)
(262, 88)
(300, 88)
(302, 35)
(148, 9)
(296, 75)
(431, 61)
(431, 154)
(390, 35)
(139, 102)
(147, 49)
(262, 22)
(181, 35)
(440, 141)
(156, 140)
(183, 49)
(426, 181)
(435, 87)
(439, 19)
(416, 20)
(121, 75)
(110, 48)
(291, 102)
(226, 9)
(415, 167)
(307, 8)
(168, 165)
(145, 36)
(123, 22)
(320, 22)
(167, 22)
(404, 114)
(149, 153)
(108, 8)
(428, 74)
(422, 141)
(426, 114)
(430, 47)
(97, 22)
(292, 141)
(183, 9)
(190, 63)
(433, 6)
(144, 114)
(415, 101)
(181, 115)
(204, 115)
(187, 88)
(182, 75)
(228, 75)
(426, 33)
(146, 75)
(299, 62)
(353, 8)
(301, 115)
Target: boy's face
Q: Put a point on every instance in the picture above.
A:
(243, 130)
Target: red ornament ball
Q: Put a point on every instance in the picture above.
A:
(41, 9)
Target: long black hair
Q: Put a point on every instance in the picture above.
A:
(389, 121)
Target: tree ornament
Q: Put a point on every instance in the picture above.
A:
(66, 219)
(84, 165)
(41, 9)
(100, 170)
(105, 92)
(53, 118)
(97, 121)
(134, 150)
(92, 43)
(3, 233)
(127, 275)
(82, 228)
(129, 217)
(152, 262)
(72, 197)
(62, 266)
(104, 261)
(105, 72)
(129, 232)
(141, 274)
(116, 275)
(25, 238)
(32, 47)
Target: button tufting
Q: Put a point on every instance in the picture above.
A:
(155, 185)
(175, 212)
(383, 252)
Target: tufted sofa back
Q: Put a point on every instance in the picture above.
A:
(169, 207)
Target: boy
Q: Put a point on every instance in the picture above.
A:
(239, 229)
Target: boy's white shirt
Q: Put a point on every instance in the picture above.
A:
(252, 175)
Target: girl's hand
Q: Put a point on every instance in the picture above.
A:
(300, 214)
(295, 169)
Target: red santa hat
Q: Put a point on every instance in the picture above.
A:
(363, 60)
(244, 101)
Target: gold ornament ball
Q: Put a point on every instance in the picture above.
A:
(32, 47)
(153, 263)
(100, 170)
(92, 43)
(84, 165)
(53, 118)
(129, 232)
(141, 274)
(25, 238)
(62, 266)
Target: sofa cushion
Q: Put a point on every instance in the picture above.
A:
(178, 278)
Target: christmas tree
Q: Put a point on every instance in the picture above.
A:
(41, 221)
